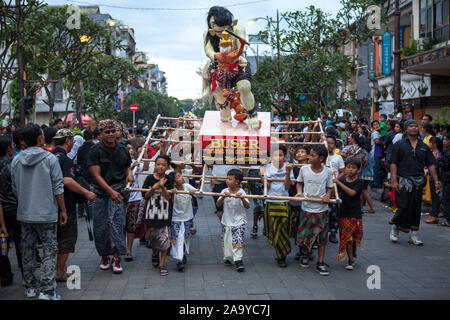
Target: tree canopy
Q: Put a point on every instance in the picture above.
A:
(312, 60)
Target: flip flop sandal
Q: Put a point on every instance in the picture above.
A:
(163, 271)
(128, 257)
(444, 224)
(155, 261)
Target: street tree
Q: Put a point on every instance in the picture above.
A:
(53, 52)
(150, 104)
(10, 32)
(311, 60)
(102, 80)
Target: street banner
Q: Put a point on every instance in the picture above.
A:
(387, 53)
(372, 61)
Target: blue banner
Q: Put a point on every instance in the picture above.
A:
(387, 53)
(372, 61)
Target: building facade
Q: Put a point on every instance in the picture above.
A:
(425, 59)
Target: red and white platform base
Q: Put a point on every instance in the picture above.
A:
(232, 142)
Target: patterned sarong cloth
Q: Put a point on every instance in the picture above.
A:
(159, 239)
(179, 235)
(174, 231)
(313, 226)
(233, 242)
(225, 78)
(350, 230)
(295, 220)
(277, 227)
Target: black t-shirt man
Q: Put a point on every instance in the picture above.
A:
(158, 212)
(68, 171)
(113, 163)
(411, 162)
(351, 206)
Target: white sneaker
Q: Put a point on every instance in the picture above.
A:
(105, 265)
(394, 234)
(415, 240)
(46, 296)
(116, 265)
(31, 292)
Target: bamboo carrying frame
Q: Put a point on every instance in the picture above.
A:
(264, 179)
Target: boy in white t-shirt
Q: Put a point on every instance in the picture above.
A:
(234, 220)
(179, 232)
(314, 181)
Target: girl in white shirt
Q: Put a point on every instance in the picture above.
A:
(179, 232)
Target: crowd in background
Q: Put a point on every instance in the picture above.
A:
(51, 175)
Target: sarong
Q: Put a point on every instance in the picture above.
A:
(132, 216)
(179, 237)
(295, 220)
(313, 226)
(233, 242)
(159, 239)
(407, 216)
(277, 227)
(350, 230)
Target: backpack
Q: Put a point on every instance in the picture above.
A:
(79, 198)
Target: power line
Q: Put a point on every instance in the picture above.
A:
(163, 9)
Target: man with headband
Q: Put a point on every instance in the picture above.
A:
(109, 164)
(408, 159)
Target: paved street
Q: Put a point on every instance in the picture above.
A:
(407, 272)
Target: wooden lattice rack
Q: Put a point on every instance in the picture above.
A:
(204, 176)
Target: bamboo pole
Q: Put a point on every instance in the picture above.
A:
(139, 159)
(280, 133)
(219, 178)
(292, 122)
(331, 166)
(177, 129)
(248, 196)
(202, 185)
(298, 143)
(182, 119)
(265, 186)
(175, 141)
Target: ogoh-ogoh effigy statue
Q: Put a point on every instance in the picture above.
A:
(227, 75)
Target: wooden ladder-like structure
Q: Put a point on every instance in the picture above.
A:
(175, 132)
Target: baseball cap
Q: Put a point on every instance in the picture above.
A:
(63, 133)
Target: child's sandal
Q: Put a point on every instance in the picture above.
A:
(163, 271)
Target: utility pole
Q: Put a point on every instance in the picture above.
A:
(397, 74)
(20, 63)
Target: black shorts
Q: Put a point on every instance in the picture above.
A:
(67, 235)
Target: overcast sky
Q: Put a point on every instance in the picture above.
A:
(173, 39)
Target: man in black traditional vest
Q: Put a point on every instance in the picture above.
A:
(408, 159)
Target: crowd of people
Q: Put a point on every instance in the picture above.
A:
(50, 176)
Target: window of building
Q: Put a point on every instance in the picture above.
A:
(434, 19)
